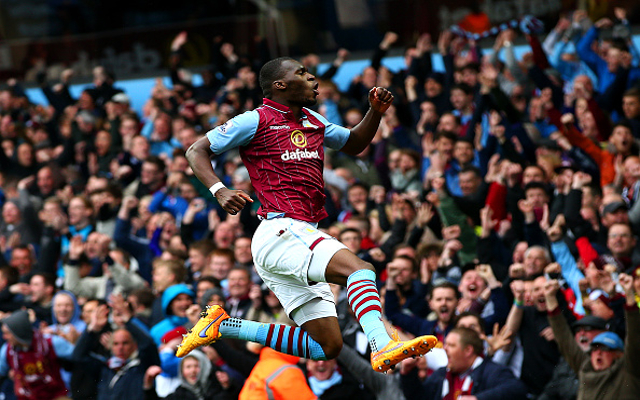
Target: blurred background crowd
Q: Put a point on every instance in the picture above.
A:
(498, 202)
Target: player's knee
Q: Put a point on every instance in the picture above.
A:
(365, 265)
(332, 348)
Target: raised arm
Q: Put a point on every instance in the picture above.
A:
(361, 135)
(562, 333)
(514, 320)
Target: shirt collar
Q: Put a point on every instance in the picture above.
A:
(282, 108)
(276, 106)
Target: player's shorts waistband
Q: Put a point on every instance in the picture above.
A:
(276, 215)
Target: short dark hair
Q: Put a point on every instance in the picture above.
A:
(414, 264)
(145, 296)
(48, 278)
(203, 246)
(596, 189)
(360, 185)
(536, 185)
(444, 285)
(11, 274)
(633, 92)
(539, 168)
(474, 66)
(362, 220)
(445, 134)
(208, 278)
(270, 72)
(468, 90)
(426, 249)
(620, 44)
(25, 247)
(347, 230)
(469, 337)
(623, 123)
(415, 156)
(158, 162)
(471, 168)
(471, 314)
(465, 140)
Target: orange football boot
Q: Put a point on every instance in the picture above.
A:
(397, 350)
(205, 331)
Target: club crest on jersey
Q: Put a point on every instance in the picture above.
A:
(307, 124)
(298, 139)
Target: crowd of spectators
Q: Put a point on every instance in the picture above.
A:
(499, 203)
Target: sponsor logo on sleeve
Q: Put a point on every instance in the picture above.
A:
(224, 127)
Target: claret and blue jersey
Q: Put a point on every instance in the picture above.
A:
(284, 156)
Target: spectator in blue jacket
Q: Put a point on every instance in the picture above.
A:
(175, 301)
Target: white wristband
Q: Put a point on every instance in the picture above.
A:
(215, 187)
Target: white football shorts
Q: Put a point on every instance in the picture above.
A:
(288, 254)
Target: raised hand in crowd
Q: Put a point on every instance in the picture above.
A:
(121, 310)
(255, 295)
(179, 41)
(410, 84)
(451, 232)
(500, 340)
(488, 77)
(516, 271)
(450, 249)
(551, 287)
(99, 318)
(526, 208)
(444, 41)
(378, 194)
(128, 204)
(603, 23)
(513, 174)
(626, 282)
(193, 313)
(150, 375)
(388, 40)
(76, 247)
(195, 206)
(424, 214)
(517, 285)
(487, 223)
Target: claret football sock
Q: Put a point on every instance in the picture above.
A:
(364, 300)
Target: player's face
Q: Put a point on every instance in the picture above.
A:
(302, 87)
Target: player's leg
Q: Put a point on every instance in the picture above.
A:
(359, 277)
(346, 269)
(317, 319)
(283, 253)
